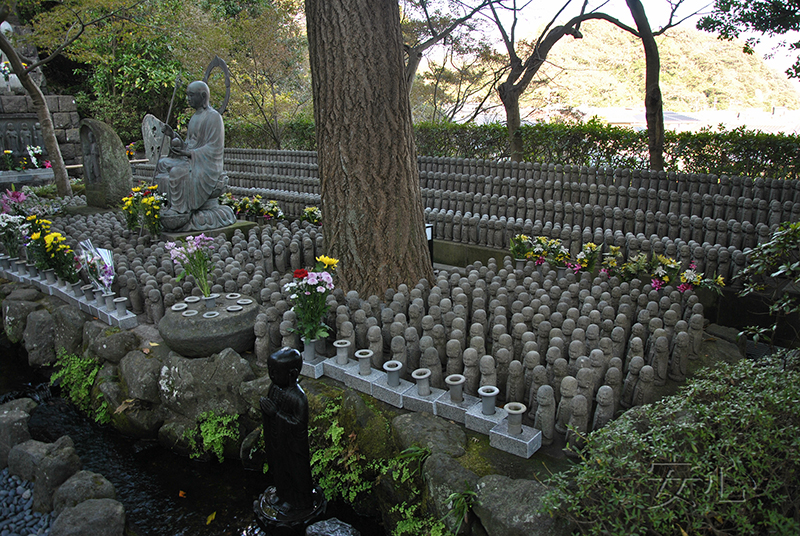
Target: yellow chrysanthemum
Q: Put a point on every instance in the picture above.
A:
(720, 281)
(329, 262)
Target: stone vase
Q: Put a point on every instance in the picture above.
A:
(31, 269)
(456, 384)
(4, 262)
(342, 351)
(423, 378)
(488, 394)
(50, 276)
(515, 412)
(109, 301)
(393, 368)
(22, 267)
(309, 349)
(561, 271)
(87, 292)
(76, 289)
(12, 264)
(211, 301)
(119, 305)
(98, 297)
(520, 264)
(364, 362)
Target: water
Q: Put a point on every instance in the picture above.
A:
(164, 494)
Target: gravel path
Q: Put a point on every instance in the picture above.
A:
(16, 516)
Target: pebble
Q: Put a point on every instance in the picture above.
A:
(16, 501)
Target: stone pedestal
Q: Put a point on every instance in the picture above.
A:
(523, 444)
(455, 411)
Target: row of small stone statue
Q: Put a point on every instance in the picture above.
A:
(665, 346)
(613, 214)
(513, 178)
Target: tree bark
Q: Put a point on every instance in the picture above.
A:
(43, 115)
(653, 103)
(371, 199)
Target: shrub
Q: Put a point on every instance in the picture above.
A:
(721, 457)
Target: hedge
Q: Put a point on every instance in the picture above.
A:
(730, 152)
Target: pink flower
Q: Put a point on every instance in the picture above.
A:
(47, 164)
(656, 284)
(683, 287)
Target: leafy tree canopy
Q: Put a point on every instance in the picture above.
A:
(731, 18)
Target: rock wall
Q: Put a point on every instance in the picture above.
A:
(18, 114)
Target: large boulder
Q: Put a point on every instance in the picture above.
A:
(174, 434)
(195, 336)
(508, 507)
(331, 527)
(130, 417)
(53, 470)
(189, 387)
(13, 431)
(443, 477)
(111, 344)
(138, 374)
(370, 427)
(68, 329)
(93, 517)
(107, 172)
(15, 316)
(39, 338)
(25, 457)
(80, 487)
(425, 430)
(252, 391)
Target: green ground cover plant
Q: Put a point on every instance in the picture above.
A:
(721, 457)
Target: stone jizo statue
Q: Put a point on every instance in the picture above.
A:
(192, 175)
(285, 414)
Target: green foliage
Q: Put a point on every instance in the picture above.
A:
(126, 55)
(337, 465)
(298, 135)
(215, 431)
(730, 18)
(774, 266)
(721, 457)
(76, 376)
(412, 522)
(460, 504)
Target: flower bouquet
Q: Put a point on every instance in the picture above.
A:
(99, 265)
(35, 229)
(520, 246)
(272, 211)
(11, 233)
(548, 250)
(312, 215)
(61, 257)
(13, 202)
(309, 291)
(691, 278)
(194, 256)
(586, 259)
(142, 208)
(611, 261)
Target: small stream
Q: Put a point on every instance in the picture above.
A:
(163, 494)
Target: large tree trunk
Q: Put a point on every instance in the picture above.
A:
(510, 99)
(43, 115)
(653, 104)
(371, 200)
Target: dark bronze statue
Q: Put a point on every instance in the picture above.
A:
(293, 499)
(192, 175)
